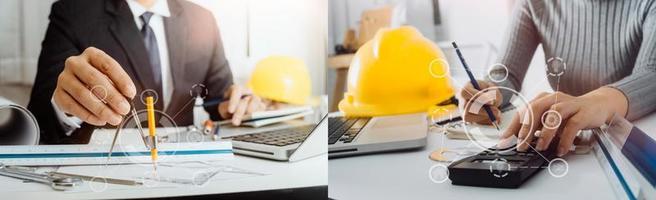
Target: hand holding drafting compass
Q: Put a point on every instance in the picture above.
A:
(137, 121)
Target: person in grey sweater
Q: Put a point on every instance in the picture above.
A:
(609, 50)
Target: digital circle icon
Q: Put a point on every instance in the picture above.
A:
(499, 167)
(556, 66)
(198, 90)
(486, 137)
(148, 93)
(497, 72)
(131, 140)
(558, 167)
(439, 114)
(438, 173)
(551, 119)
(438, 68)
(98, 184)
(100, 92)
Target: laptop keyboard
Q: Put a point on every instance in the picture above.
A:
(344, 129)
(281, 137)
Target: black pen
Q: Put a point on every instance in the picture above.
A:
(216, 102)
(476, 86)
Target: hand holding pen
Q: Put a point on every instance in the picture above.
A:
(239, 102)
(490, 114)
(467, 93)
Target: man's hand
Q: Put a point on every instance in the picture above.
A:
(481, 116)
(241, 102)
(565, 115)
(94, 87)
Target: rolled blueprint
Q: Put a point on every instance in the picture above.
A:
(17, 125)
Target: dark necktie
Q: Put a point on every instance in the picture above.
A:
(153, 56)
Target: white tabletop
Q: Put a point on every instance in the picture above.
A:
(311, 172)
(405, 175)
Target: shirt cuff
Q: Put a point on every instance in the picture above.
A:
(68, 124)
(639, 91)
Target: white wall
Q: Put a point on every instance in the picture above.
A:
(346, 14)
(254, 29)
(22, 28)
(10, 52)
(465, 21)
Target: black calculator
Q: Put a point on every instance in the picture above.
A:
(501, 167)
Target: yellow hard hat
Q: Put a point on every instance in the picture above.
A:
(397, 72)
(281, 78)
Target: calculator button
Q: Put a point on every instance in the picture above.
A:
(507, 153)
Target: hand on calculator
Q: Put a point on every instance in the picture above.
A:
(564, 115)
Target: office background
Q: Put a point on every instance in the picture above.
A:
(251, 30)
(481, 24)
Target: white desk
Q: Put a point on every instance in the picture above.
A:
(311, 172)
(404, 175)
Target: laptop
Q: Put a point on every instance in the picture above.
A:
(366, 135)
(285, 144)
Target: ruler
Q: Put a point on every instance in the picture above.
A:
(50, 155)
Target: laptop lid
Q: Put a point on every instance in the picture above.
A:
(315, 144)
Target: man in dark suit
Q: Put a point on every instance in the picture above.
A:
(98, 55)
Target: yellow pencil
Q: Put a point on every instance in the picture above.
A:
(151, 129)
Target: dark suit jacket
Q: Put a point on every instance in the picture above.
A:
(195, 52)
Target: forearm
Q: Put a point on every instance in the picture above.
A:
(638, 89)
(613, 101)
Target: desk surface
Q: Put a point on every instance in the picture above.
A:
(405, 175)
(311, 172)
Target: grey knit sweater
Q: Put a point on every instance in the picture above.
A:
(603, 43)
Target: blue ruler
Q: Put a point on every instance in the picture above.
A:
(48, 155)
(638, 147)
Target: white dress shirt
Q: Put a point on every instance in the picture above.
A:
(160, 9)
